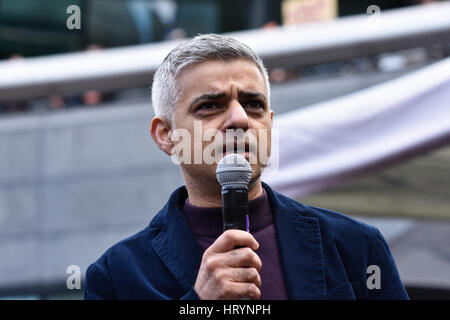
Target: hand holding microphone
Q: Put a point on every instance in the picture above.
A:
(227, 273)
(230, 267)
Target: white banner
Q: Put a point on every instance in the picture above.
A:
(328, 143)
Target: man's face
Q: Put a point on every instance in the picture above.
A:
(218, 97)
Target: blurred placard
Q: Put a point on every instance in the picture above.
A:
(303, 11)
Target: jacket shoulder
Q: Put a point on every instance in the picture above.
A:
(136, 244)
(128, 263)
(330, 221)
(349, 248)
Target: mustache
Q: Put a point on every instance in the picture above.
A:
(242, 143)
(237, 147)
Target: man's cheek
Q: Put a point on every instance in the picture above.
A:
(264, 146)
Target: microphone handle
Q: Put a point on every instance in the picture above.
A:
(235, 208)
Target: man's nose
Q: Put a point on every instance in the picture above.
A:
(236, 117)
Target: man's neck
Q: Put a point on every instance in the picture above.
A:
(204, 196)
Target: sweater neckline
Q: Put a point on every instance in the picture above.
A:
(207, 221)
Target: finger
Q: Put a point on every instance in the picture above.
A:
(242, 258)
(245, 275)
(234, 238)
(239, 290)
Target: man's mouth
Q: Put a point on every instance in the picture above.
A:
(235, 148)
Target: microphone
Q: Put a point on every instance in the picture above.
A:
(234, 173)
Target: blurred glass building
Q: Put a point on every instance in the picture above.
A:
(38, 27)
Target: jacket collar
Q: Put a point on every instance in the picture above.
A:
(299, 246)
(175, 243)
(298, 235)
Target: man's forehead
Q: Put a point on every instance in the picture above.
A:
(216, 77)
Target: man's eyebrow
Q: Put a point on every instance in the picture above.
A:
(207, 96)
(220, 95)
(252, 95)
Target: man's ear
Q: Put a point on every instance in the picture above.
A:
(160, 130)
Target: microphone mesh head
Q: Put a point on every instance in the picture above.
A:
(233, 169)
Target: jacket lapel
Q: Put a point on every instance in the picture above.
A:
(300, 248)
(175, 243)
(299, 245)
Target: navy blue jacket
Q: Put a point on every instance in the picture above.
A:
(324, 255)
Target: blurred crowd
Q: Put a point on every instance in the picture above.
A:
(55, 101)
(384, 63)
(388, 62)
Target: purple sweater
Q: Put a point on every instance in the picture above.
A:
(206, 225)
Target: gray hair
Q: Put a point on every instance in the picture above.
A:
(207, 47)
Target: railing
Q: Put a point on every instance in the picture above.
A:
(121, 68)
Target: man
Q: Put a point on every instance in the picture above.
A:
(292, 251)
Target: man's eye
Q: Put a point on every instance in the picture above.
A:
(207, 106)
(254, 105)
